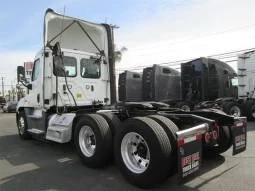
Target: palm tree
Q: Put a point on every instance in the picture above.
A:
(118, 53)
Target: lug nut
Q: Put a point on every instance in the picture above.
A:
(146, 164)
(139, 160)
(135, 153)
(137, 136)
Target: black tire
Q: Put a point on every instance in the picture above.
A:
(170, 128)
(112, 120)
(183, 104)
(228, 106)
(24, 135)
(249, 109)
(224, 143)
(103, 139)
(222, 105)
(159, 148)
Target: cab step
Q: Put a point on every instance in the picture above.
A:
(35, 117)
(35, 131)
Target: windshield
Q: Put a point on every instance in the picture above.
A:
(234, 81)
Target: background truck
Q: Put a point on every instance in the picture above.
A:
(72, 97)
(203, 83)
(239, 87)
(156, 83)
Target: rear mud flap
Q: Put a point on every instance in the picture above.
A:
(189, 157)
(239, 132)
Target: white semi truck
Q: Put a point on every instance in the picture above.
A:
(72, 97)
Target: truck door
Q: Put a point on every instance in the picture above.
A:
(34, 97)
(94, 76)
(86, 79)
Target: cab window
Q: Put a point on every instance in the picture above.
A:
(234, 81)
(36, 70)
(90, 68)
(70, 65)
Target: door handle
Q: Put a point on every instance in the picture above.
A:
(92, 88)
(38, 98)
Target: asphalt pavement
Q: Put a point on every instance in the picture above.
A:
(36, 165)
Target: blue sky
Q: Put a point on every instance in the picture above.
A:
(23, 26)
(154, 31)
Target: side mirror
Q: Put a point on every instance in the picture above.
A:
(56, 50)
(225, 71)
(20, 73)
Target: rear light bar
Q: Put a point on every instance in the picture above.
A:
(187, 140)
(244, 123)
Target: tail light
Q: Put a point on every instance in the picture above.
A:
(207, 137)
(215, 135)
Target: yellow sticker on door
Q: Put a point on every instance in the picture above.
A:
(78, 95)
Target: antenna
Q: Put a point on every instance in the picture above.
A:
(62, 24)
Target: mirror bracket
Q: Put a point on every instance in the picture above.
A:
(29, 86)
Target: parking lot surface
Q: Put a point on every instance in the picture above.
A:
(36, 165)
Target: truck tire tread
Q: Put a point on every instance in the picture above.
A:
(103, 136)
(159, 147)
(112, 120)
(170, 128)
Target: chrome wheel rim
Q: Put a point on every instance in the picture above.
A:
(235, 111)
(87, 141)
(185, 108)
(253, 111)
(21, 125)
(135, 152)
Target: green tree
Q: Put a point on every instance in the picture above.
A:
(118, 53)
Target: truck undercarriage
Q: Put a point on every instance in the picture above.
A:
(149, 141)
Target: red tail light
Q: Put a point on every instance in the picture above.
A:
(207, 137)
(215, 134)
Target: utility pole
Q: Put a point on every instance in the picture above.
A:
(3, 86)
(112, 73)
(113, 27)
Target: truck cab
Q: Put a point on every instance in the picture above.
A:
(70, 73)
(208, 79)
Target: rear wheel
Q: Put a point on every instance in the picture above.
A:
(185, 106)
(93, 140)
(112, 120)
(249, 109)
(224, 143)
(233, 109)
(170, 128)
(22, 126)
(142, 151)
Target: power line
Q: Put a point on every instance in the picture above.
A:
(172, 63)
(214, 34)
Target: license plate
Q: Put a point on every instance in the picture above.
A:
(239, 131)
(189, 157)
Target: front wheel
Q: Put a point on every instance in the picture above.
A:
(249, 109)
(22, 126)
(233, 109)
